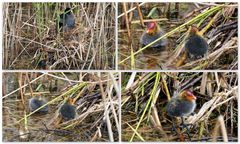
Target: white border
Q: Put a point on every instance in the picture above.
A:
(116, 42)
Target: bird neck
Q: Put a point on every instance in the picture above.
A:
(70, 101)
(189, 100)
(195, 34)
(157, 29)
(68, 11)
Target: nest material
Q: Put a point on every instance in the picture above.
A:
(30, 36)
(145, 96)
(219, 27)
(97, 110)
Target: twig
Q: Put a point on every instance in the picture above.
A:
(140, 15)
(131, 10)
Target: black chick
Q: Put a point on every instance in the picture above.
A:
(35, 103)
(182, 105)
(68, 110)
(42, 64)
(196, 46)
(65, 21)
(152, 33)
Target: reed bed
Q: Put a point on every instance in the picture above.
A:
(95, 95)
(217, 22)
(30, 36)
(144, 99)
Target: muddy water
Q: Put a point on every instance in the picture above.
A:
(149, 58)
(152, 59)
(16, 108)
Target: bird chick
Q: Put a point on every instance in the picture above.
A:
(196, 46)
(65, 21)
(182, 105)
(68, 110)
(152, 33)
(35, 103)
(42, 64)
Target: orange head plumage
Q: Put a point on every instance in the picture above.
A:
(152, 28)
(194, 30)
(70, 101)
(187, 95)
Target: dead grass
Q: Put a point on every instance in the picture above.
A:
(29, 36)
(145, 95)
(217, 22)
(97, 110)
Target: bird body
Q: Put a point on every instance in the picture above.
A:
(179, 108)
(196, 46)
(68, 111)
(153, 33)
(42, 64)
(66, 20)
(182, 105)
(35, 103)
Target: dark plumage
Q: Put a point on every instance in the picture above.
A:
(196, 46)
(67, 111)
(65, 21)
(42, 64)
(35, 103)
(182, 105)
(152, 33)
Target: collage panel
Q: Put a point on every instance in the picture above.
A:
(120, 72)
(179, 106)
(179, 35)
(59, 36)
(60, 107)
